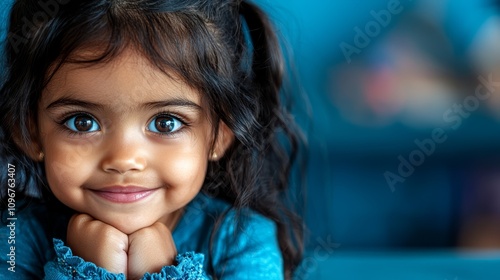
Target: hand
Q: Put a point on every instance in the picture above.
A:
(97, 242)
(146, 250)
(150, 249)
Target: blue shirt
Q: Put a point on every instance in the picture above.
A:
(247, 249)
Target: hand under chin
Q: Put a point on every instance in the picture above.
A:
(146, 249)
(130, 223)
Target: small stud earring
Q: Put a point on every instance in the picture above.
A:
(41, 155)
(214, 155)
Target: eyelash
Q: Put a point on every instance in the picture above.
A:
(181, 119)
(73, 133)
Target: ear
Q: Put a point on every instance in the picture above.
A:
(225, 138)
(32, 147)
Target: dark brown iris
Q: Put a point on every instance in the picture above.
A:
(164, 124)
(83, 123)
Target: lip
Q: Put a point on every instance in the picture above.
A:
(123, 194)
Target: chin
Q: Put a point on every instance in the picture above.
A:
(126, 224)
(129, 227)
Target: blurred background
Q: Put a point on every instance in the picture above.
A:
(404, 101)
(401, 105)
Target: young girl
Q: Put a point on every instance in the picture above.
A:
(145, 139)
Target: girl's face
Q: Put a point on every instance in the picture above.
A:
(125, 143)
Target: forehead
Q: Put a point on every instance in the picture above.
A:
(127, 79)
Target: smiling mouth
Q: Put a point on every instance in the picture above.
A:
(120, 194)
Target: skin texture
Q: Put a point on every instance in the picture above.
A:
(119, 102)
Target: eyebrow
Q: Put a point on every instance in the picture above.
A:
(173, 102)
(63, 102)
(180, 102)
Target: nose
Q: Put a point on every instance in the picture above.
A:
(124, 153)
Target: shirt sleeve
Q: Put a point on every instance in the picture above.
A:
(189, 266)
(66, 265)
(248, 250)
(24, 248)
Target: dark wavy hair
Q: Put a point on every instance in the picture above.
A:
(227, 49)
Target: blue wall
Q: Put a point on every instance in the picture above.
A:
(349, 199)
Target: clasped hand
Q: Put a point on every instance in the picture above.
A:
(146, 250)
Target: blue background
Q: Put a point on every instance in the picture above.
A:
(360, 227)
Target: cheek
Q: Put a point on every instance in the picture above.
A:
(67, 167)
(184, 170)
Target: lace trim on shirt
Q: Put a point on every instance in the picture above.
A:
(189, 267)
(77, 267)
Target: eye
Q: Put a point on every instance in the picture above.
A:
(82, 123)
(164, 124)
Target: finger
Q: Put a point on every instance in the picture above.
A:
(80, 219)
